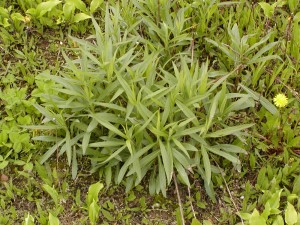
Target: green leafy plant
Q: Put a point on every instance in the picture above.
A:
(114, 106)
(272, 214)
(29, 220)
(92, 202)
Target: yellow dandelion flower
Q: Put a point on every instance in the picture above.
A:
(280, 100)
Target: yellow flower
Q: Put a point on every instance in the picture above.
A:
(280, 100)
(27, 19)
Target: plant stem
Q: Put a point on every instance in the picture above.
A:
(179, 199)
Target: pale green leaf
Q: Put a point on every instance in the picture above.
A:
(80, 16)
(290, 214)
(93, 193)
(206, 164)
(229, 130)
(95, 5)
(53, 220)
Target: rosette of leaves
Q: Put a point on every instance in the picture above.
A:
(134, 118)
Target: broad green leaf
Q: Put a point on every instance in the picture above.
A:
(45, 7)
(53, 220)
(3, 164)
(293, 5)
(290, 214)
(257, 219)
(79, 4)
(278, 220)
(17, 16)
(275, 200)
(95, 5)
(93, 193)
(29, 220)
(296, 187)
(195, 222)
(93, 210)
(207, 222)
(80, 16)
(68, 10)
(267, 8)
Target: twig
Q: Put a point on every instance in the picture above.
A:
(190, 199)
(179, 200)
(227, 188)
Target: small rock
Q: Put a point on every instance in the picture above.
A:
(3, 178)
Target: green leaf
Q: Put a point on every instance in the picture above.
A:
(93, 193)
(17, 16)
(229, 130)
(207, 222)
(225, 155)
(275, 200)
(45, 7)
(68, 10)
(265, 102)
(167, 160)
(29, 220)
(53, 220)
(257, 219)
(195, 221)
(108, 125)
(278, 220)
(95, 5)
(267, 8)
(293, 5)
(290, 214)
(80, 16)
(52, 192)
(182, 173)
(206, 164)
(3, 164)
(93, 210)
(212, 111)
(231, 148)
(51, 150)
(187, 112)
(85, 142)
(79, 4)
